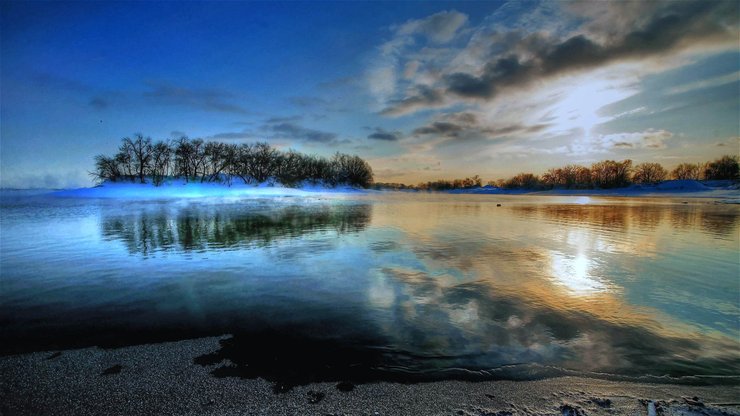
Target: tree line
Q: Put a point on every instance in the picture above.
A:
(604, 174)
(139, 159)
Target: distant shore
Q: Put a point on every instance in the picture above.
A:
(672, 188)
(178, 188)
(163, 379)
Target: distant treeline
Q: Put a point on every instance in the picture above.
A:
(605, 174)
(196, 160)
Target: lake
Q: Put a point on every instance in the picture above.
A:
(384, 286)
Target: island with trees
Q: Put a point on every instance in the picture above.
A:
(141, 160)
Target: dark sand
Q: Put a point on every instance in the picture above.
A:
(163, 379)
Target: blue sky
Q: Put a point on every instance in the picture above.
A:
(421, 90)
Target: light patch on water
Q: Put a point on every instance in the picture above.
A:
(574, 273)
(379, 292)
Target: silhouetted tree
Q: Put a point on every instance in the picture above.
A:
(161, 158)
(351, 170)
(106, 168)
(649, 173)
(611, 174)
(523, 181)
(725, 167)
(687, 171)
(263, 162)
(196, 159)
(140, 149)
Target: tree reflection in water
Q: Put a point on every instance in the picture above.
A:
(205, 229)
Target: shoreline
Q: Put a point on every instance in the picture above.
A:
(727, 191)
(163, 378)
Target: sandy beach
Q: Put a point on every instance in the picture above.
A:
(163, 379)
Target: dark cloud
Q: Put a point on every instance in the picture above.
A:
(295, 131)
(623, 145)
(178, 133)
(530, 58)
(206, 99)
(422, 97)
(236, 135)
(440, 128)
(466, 126)
(381, 134)
(288, 119)
(98, 103)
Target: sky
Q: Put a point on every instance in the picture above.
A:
(422, 90)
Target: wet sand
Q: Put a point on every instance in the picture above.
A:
(163, 379)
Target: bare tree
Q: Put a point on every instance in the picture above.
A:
(161, 160)
(264, 162)
(106, 168)
(649, 173)
(725, 167)
(611, 174)
(687, 171)
(140, 149)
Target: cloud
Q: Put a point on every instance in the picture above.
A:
(649, 139)
(467, 125)
(423, 97)
(733, 77)
(98, 99)
(206, 99)
(236, 135)
(440, 128)
(98, 103)
(517, 58)
(381, 134)
(440, 27)
(294, 131)
(286, 119)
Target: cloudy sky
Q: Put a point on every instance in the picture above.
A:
(421, 90)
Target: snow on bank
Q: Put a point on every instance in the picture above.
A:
(178, 188)
(686, 188)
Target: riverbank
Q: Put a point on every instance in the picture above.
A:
(163, 379)
(727, 191)
(179, 188)
(675, 188)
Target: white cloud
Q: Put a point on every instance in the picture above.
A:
(440, 27)
(648, 139)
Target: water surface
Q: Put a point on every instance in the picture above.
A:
(383, 286)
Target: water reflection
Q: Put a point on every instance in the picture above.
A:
(492, 325)
(718, 220)
(215, 228)
(390, 286)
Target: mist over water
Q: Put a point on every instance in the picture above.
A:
(383, 286)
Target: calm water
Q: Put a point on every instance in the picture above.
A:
(383, 286)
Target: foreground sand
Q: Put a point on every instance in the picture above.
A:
(162, 379)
